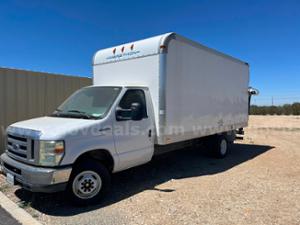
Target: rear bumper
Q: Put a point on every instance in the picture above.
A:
(36, 179)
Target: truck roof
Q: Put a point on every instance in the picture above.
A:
(146, 47)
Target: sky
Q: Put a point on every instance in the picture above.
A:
(62, 36)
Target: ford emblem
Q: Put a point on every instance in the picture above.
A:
(15, 146)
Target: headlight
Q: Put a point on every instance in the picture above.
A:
(51, 152)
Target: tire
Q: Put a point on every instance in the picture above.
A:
(89, 182)
(218, 145)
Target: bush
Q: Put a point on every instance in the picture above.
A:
(287, 109)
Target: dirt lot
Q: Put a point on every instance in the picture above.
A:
(258, 183)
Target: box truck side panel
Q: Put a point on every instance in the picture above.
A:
(206, 93)
(143, 71)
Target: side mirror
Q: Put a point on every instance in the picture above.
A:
(123, 114)
(253, 91)
(136, 111)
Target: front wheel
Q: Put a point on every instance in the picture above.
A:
(90, 180)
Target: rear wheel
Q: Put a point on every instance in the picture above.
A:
(217, 145)
(89, 182)
(221, 149)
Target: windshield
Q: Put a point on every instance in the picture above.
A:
(88, 103)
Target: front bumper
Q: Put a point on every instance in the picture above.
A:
(36, 179)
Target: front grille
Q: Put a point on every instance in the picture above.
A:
(17, 138)
(20, 147)
(23, 155)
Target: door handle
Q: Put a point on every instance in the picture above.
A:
(150, 133)
(104, 129)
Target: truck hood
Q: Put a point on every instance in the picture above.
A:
(49, 128)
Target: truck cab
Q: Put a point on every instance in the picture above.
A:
(112, 125)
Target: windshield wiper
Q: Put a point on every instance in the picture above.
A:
(83, 114)
(72, 114)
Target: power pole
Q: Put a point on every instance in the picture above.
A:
(272, 101)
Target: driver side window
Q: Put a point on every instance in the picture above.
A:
(134, 96)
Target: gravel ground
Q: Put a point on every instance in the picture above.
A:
(258, 183)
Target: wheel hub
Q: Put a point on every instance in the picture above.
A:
(223, 147)
(87, 184)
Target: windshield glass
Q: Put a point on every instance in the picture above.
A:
(89, 103)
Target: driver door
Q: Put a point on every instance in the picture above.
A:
(134, 139)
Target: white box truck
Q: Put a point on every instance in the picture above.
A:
(148, 97)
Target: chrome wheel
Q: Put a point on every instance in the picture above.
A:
(223, 147)
(87, 184)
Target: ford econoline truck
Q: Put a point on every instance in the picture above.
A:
(148, 97)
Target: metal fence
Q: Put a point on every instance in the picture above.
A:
(27, 94)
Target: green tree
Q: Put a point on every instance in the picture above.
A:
(286, 109)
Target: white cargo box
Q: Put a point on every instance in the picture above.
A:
(196, 91)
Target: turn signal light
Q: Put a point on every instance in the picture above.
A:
(59, 149)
